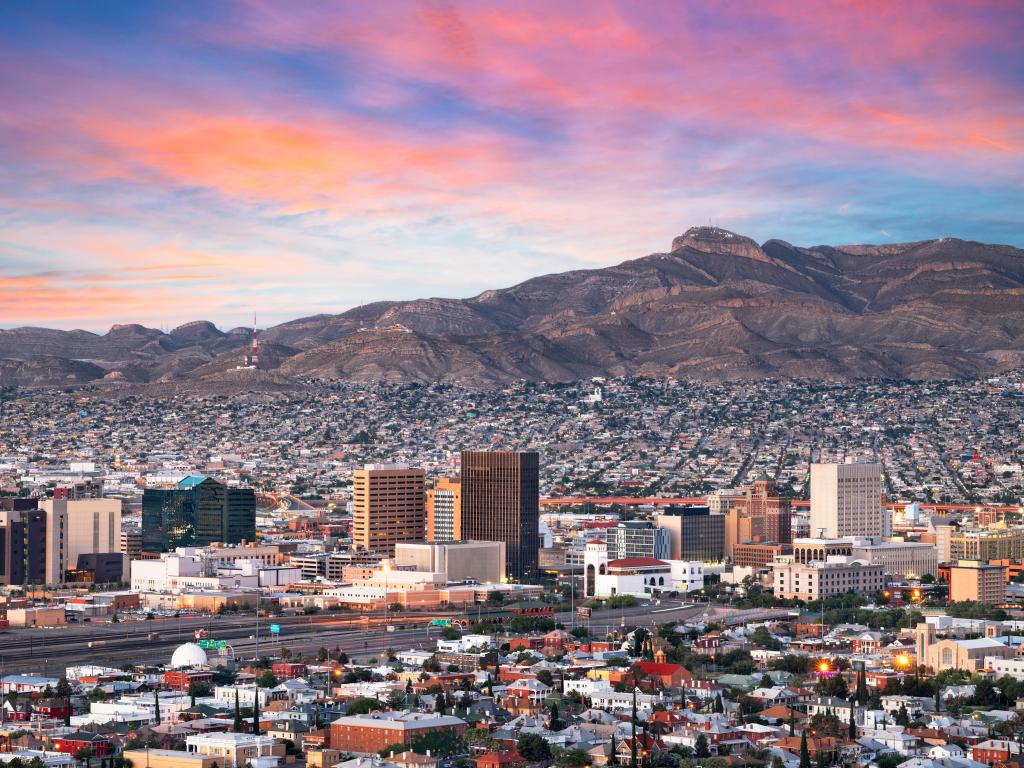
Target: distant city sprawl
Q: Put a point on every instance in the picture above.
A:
(955, 442)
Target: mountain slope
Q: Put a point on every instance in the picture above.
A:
(717, 305)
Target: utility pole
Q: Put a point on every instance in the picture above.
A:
(632, 725)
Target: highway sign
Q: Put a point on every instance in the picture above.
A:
(440, 622)
(212, 645)
(275, 629)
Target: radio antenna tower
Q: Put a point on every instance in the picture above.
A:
(254, 360)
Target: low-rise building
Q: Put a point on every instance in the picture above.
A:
(817, 579)
(235, 750)
(370, 733)
(906, 559)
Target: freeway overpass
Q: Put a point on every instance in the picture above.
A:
(48, 651)
(665, 501)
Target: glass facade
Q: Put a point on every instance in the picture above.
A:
(198, 512)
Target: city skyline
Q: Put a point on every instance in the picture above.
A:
(163, 166)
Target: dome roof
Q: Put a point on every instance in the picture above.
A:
(189, 655)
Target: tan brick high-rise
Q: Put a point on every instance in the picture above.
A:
(501, 502)
(759, 516)
(387, 507)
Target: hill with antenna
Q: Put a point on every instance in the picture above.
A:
(716, 305)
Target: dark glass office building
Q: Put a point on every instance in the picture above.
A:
(22, 545)
(199, 511)
(501, 502)
(696, 533)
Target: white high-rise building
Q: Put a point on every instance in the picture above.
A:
(846, 500)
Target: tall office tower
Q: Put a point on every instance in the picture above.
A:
(759, 516)
(695, 533)
(638, 538)
(387, 507)
(22, 546)
(196, 512)
(83, 526)
(846, 500)
(501, 502)
(444, 510)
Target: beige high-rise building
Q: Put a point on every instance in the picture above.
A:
(846, 500)
(387, 507)
(977, 582)
(79, 527)
(444, 510)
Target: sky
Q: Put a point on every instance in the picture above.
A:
(162, 162)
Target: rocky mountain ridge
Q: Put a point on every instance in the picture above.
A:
(717, 305)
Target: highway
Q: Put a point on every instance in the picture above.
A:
(49, 651)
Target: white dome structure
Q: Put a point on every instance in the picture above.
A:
(189, 655)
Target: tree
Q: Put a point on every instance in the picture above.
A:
(805, 756)
(267, 679)
(902, 718)
(533, 747)
(762, 638)
(984, 692)
(766, 681)
(573, 758)
(613, 758)
(342, 657)
(256, 711)
(700, 747)
(239, 727)
(63, 688)
(545, 677)
(852, 732)
(156, 704)
(439, 743)
(321, 655)
(362, 706)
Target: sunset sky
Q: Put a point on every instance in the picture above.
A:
(170, 161)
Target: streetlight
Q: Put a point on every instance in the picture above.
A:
(824, 668)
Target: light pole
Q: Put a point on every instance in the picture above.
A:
(572, 592)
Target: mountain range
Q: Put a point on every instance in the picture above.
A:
(716, 305)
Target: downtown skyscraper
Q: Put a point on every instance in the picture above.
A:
(501, 502)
